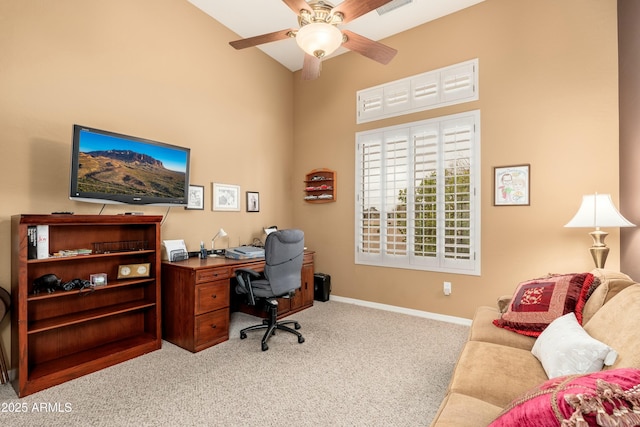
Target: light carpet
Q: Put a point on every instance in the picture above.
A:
(358, 366)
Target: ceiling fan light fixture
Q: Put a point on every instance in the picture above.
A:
(319, 39)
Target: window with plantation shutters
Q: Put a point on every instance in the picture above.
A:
(417, 195)
(434, 89)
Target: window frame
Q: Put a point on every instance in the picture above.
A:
(372, 174)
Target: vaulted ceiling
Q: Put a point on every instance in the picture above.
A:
(250, 18)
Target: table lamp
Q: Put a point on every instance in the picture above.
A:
(597, 210)
(220, 233)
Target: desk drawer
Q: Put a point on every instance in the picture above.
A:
(211, 274)
(212, 296)
(212, 327)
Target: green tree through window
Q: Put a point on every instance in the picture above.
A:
(457, 205)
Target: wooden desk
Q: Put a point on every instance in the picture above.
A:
(196, 299)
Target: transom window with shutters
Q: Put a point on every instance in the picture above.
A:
(450, 85)
(417, 195)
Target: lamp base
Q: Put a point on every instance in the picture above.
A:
(599, 255)
(599, 250)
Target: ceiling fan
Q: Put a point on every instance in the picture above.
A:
(319, 35)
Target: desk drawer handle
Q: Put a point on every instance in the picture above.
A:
(214, 296)
(213, 326)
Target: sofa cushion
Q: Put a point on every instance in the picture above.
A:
(483, 329)
(616, 324)
(495, 373)
(538, 302)
(611, 283)
(459, 410)
(601, 398)
(564, 348)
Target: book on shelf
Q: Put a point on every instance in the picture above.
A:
(32, 242)
(42, 248)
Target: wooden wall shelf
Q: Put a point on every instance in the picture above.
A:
(320, 186)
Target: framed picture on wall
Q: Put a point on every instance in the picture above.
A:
(253, 201)
(226, 197)
(511, 185)
(196, 197)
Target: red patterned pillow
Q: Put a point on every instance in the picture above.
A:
(605, 398)
(536, 303)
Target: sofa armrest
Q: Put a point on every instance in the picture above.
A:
(483, 329)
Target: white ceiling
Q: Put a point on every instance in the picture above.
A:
(249, 18)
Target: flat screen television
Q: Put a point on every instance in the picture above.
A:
(107, 167)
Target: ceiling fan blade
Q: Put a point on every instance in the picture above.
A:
(298, 5)
(264, 38)
(311, 67)
(351, 9)
(369, 48)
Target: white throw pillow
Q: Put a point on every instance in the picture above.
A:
(565, 348)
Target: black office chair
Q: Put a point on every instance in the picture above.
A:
(283, 252)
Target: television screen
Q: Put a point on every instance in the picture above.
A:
(108, 167)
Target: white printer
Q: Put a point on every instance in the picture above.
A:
(244, 252)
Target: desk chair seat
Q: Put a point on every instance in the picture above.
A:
(283, 253)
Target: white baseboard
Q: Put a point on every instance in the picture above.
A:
(409, 311)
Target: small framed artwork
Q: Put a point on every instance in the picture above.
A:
(196, 197)
(253, 201)
(511, 185)
(226, 197)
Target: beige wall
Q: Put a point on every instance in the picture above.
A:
(157, 69)
(548, 97)
(629, 89)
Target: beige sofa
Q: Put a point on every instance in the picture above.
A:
(496, 366)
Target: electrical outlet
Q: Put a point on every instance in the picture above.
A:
(447, 288)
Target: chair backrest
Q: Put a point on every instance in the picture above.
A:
(283, 253)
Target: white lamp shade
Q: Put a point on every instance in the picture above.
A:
(319, 39)
(221, 233)
(597, 210)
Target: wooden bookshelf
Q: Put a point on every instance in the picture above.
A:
(62, 335)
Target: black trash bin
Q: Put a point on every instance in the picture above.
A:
(321, 286)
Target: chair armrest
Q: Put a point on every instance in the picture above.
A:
(248, 271)
(243, 276)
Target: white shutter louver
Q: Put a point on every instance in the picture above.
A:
(370, 104)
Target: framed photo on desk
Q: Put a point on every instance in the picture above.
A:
(226, 197)
(253, 201)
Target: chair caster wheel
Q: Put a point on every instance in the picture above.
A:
(296, 325)
(265, 347)
(300, 340)
(242, 335)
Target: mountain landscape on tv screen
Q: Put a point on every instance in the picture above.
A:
(127, 172)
